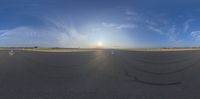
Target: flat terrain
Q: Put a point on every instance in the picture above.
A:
(100, 74)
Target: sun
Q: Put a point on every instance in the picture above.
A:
(99, 44)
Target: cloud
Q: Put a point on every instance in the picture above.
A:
(156, 23)
(195, 35)
(15, 32)
(108, 25)
(187, 24)
(56, 33)
(25, 36)
(130, 13)
(171, 33)
(157, 30)
(162, 27)
(15, 36)
(67, 34)
(126, 26)
(133, 16)
(119, 26)
(54, 36)
(3, 33)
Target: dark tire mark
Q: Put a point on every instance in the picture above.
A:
(172, 61)
(159, 73)
(154, 83)
(160, 63)
(135, 79)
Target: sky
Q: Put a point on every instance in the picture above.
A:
(114, 23)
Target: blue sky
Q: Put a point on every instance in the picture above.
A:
(84, 23)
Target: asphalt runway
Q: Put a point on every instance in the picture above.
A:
(100, 74)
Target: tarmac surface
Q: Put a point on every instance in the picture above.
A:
(100, 74)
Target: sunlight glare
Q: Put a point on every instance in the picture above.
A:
(100, 44)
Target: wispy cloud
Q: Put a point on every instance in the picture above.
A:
(133, 16)
(56, 34)
(67, 34)
(108, 25)
(119, 26)
(187, 24)
(126, 26)
(3, 33)
(26, 36)
(163, 28)
(156, 23)
(173, 34)
(130, 13)
(155, 29)
(195, 35)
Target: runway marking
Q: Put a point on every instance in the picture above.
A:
(112, 52)
(11, 53)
